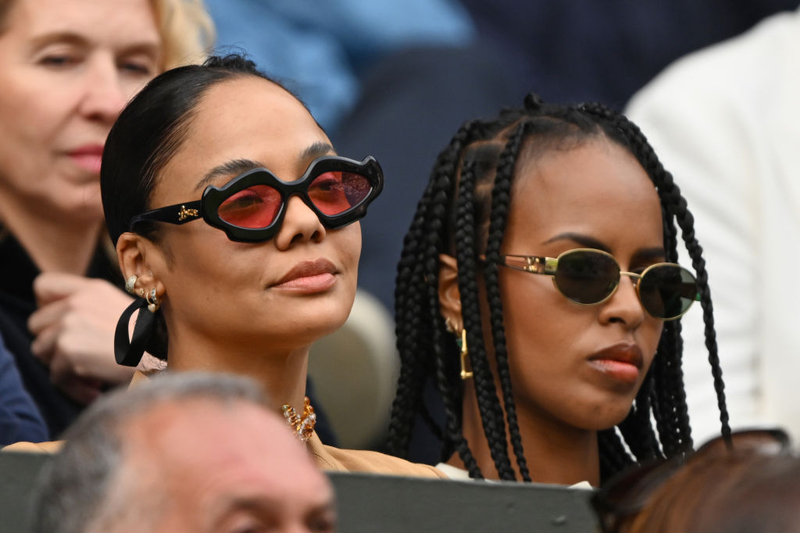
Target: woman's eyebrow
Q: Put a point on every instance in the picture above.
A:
(235, 167)
(645, 255)
(642, 255)
(78, 39)
(584, 240)
(316, 150)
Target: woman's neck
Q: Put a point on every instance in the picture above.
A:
(54, 245)
(281, 373)
(555, 452)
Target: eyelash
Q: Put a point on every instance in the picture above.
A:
(57, 60)
(139, 68)
(60, 61)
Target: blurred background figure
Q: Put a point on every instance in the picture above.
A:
(19, 417)
(68, 68)
(726, 121)
(322, 50)
(753, 486)
(177, 445)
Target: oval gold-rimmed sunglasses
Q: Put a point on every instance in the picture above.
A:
(588, 276)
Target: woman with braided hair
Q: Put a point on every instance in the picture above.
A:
(557, 380)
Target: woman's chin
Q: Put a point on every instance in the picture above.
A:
(308, 331)
(604, 418)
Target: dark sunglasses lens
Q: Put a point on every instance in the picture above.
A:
(667, 291)
(253, 208)
(586, 277)
(335, 193)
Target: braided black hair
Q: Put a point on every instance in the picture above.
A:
(463, 213)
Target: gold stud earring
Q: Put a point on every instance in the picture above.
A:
(130, 284)
(464, 353)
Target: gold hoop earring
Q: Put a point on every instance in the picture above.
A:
(464, 353)
(152, 302)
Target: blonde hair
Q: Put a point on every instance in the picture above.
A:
(187, 32)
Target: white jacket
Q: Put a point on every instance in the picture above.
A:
(726, 122)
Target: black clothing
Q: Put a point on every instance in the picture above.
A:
(17, 303)
(19, 418)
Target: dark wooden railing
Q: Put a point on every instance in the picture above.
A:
(380, 504)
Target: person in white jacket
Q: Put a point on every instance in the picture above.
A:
(726, 122)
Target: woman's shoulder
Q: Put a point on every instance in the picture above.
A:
(51, 447)
(339, 460)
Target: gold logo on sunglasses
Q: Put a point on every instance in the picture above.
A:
(184, 213)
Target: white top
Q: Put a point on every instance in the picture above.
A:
(726, 122)
(459, 474)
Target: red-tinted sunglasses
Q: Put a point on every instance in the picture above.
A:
(251, 207)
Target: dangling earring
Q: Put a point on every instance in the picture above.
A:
(129, 352)
(464, 353)
(130, 284)
(152, 302)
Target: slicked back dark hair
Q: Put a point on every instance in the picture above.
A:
(149, 131)
(146, 136)
(463, 213)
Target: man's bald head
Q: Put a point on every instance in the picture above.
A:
(185, 452)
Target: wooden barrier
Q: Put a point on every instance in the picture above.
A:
(393, 505)
(18, 473)
(382, 504)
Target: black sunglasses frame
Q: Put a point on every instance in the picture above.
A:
(206, 208)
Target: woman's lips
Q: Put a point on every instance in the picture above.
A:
(88, 157)
(622, 361)
(309, 276)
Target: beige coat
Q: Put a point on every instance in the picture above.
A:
(327, 457)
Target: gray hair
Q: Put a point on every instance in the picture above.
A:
(74, 486)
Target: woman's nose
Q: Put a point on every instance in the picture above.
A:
(300, 224)
(624, 305)
(104, 93)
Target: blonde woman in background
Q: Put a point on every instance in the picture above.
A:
(68, 69)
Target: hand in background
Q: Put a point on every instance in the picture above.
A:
(74, 329)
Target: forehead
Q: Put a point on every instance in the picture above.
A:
(235, 447)
(252, 118)
(596, 188)
(120, 22)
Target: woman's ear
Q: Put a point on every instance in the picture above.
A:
(135, 253)
(449, 296)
